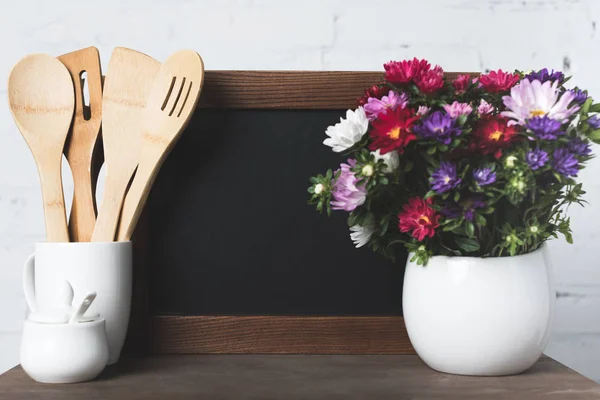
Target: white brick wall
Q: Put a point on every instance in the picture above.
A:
(461, 35)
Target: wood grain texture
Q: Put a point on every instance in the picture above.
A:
(42, 100)
(171, 104)
(126, 89)
(279, 335)
(290, 377)
(309, 90)
(81, 148)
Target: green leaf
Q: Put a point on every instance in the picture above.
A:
(431, 150)
(461, 119)
(456, 196)
(586, 106)
(383, 180)
(470, 229)
(594, 108)
(467, 244)
(594, 135)
(429, 194)
(480, 219)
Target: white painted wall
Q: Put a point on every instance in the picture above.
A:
(461, 35)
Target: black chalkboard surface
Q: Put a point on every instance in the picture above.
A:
(230, 231)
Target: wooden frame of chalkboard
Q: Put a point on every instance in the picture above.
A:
(265, 334)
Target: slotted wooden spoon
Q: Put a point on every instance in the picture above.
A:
(170, 106)
(126, 89)
(81, 149)
(41, 97)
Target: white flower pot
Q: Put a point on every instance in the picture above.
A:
(479, 316)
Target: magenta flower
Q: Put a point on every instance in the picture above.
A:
(347, 195)
(484, 107)
(457, 109)
(374, 106)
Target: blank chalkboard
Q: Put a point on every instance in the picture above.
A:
(230, 258)
(231, 232)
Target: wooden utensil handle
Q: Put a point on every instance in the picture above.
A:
(83, 209)
(136, 198)
(110, 209)
(55, 213)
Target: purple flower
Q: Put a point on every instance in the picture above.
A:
(438, 126)
(484, 176)
(594, 121)
(374, 106)
(545, 128)
(536, 159)
(579, 147)
(580, 96)
(466, 208)
(543, 75)
(445, 178)
(347, 195)
(565, 163)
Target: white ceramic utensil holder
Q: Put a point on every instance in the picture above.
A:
(103, 267)
(64, 353)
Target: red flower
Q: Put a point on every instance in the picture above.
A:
(492, 134)
(374, 91)
(393, 130)
(405, 71)
(430, 81)
(417, 216)
(461, 83)
(498, 81)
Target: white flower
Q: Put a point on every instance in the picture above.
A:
(391, 160)
(367, 170)
(319, 188)
(510, 161)
(347, 132)
(536, 99)
(361, 235)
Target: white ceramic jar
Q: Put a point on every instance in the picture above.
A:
(103, 267)
(479, 316)
(64, 353)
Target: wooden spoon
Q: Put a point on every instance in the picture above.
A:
(172, 102)
(126, 89)
(81, 149)
(41, 97)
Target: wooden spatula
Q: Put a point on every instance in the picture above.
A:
(81, 148)
(126, 89)
(172, 102)
(41, 97)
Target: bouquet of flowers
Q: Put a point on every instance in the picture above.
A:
(459, 165)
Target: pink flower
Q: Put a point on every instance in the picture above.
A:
(423, 110)
(374, 106)
(405, 71)
(430, 81)
(347, 193)
(457, 109)
(461, 83)
(485, 108)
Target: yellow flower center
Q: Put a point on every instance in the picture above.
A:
(424, 219)
(394, 133)
(447, 179)
(496, 135)
(536, 113)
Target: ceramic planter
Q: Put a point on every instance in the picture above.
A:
(479, 316)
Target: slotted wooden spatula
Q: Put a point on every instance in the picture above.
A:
(170, 106)
(81, 148)
(127, 86)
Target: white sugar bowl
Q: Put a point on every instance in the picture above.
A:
(62, 352)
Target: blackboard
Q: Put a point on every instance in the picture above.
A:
(231, 232)
(230, 258)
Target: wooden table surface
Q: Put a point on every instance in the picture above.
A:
(279, 377)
